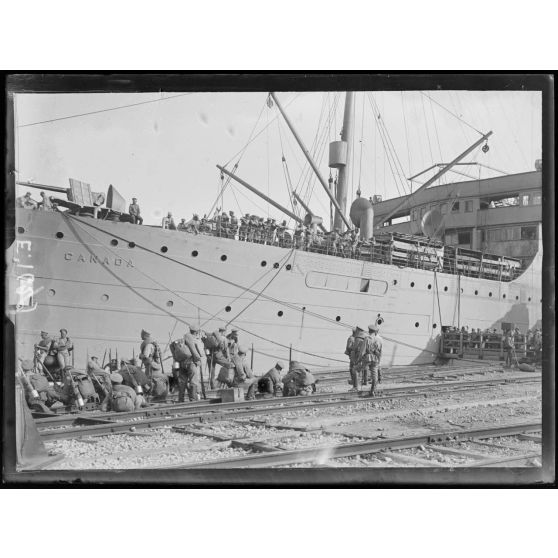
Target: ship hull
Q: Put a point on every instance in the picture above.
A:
(106, 281)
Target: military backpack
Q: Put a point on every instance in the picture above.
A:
(121, 402)
(180, 350)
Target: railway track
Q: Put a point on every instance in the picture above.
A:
(191, 413)
(263, 456)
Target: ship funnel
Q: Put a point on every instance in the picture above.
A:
(432, 224)
(312, 221)
(362, 216)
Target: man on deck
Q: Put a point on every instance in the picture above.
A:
(134, 211)
(26, 202)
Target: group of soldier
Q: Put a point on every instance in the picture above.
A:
(364, 349)
(27, 202)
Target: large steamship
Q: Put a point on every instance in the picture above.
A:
(87, 268)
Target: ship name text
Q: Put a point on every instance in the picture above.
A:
(91, 258)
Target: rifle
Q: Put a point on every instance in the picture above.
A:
(104, 356)
(77, 394)
(93, 377)
(26, 383)
(47, 372)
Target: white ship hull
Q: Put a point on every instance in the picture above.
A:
(105, 294)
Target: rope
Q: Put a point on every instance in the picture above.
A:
(449, 111)
(406, 134)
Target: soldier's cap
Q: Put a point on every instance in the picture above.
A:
(42, 194)
(145, 333)
(234, 331)
(134, 199)
(280, 365)
(231, 212)
(65, 330)
(359, 328)
(116, 378)
(223, 328)
(28, 195)
(241, 350)
(27, 365)
(44, 332)
(94, 358)
(194, 329)
(372, 327)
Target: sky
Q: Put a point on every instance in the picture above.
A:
(164, 152)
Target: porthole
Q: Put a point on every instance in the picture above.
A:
(395, 281)
(445, 289)
(280, 313)
(288, 267)
(416, 324)
(434, 326)
(105, 297)
(194, 253)
(170, 303)
(131, 244)
(114, 242)
(337, 318)
(529, 299)
(476, 292)
(51, 292)
(429, 287)
(517, 298)
(223, 258)
(59, 234)
(489, 294)
(164, 249)
(20, 230)
(379, 321)
(227, 308)
(276, 265)
(263, 263)
(504, 295)
(413, 284)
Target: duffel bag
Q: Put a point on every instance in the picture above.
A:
(121, 402)
(39, 382)
(226, 376)
(210, 342)
(86, 387)
(265, 385)
(180, 351)
(160, 386)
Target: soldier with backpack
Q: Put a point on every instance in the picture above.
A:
(38, 391)
(508, 348)
(133, 376)
(149, 353)
(298, 381)
(123, 398)
(360, 352)
(271, 381)
(159, 387)
(186, 352)
(216, 344)
(243, 375)
(348, 348)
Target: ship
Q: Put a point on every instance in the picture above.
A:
(87, 268)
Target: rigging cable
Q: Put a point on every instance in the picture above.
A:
(361, 143)
(103, 110)
(406, 134)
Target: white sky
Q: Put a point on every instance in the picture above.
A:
(164, 153)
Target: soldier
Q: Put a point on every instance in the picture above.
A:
(232, 343)
(45, 204)
(224, 225)
(168, 222)
(218, 353)
(38, 391)
(198, 341)
(508, 348)
(134, 211)
(348, 349)
(243, 375)
(149, 353)
(26, 202)
(272, 229)
(359, 357)
(281, 229)
(182, 225)
(375, 356)
(243, 230)
(298, 239)
(63, 346)
(133, 376)
(298, 381)
(160, 387)
(123, 398)
(189, 372)
(101, 382)
(43, 348)
(271, 382)
(233, 227)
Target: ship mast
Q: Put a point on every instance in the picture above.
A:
(340, 154)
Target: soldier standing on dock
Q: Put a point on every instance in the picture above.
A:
(348, 348)
(375, 355)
